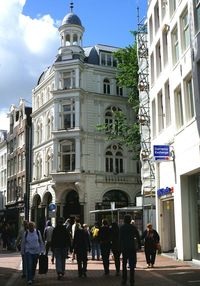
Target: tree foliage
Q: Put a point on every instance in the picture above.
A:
(127, 133)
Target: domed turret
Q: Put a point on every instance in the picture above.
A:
(71, 30)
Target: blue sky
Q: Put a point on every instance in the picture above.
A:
(30, 40)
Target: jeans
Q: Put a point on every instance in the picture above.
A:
(129, 256)
(60, 255)
(30, 265)
(96, 249)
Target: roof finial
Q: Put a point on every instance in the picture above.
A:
(71, 6)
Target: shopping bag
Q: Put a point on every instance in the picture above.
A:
(43, 264)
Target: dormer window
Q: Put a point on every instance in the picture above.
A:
(107, 59)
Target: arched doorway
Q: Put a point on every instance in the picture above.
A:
(119, 197)
(38, 213)
(72, 207)
(47, 201)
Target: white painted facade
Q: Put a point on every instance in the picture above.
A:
(174, 93)
(3, 171)
(72, 97)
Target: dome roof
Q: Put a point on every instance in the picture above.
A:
(71, 19)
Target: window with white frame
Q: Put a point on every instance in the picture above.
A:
(197, 14)
(175, 45)
(172, 6)
(38, 167)
(107, 59)
(67, 156)
(49, 125)
(110, 120)
(189, 99)
(152, 69)
(114, 159)
(158, 59)
(68, 115)
(48, 162)
(150, 29)
(185, 33)
(156, 17)
(69, 79)
(165, 47)
(167, 105)
(119, 89)
(106, 86)
(163, 8)
(153, 116)
(39, 132)
(178, 101)
(160, 112)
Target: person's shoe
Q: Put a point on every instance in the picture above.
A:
(152, 266)
(148, 265)
(30, 282)
(59, 276)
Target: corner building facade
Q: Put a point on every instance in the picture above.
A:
(74, 166)
(173, 36)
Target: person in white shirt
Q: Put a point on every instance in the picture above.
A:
(32, 245)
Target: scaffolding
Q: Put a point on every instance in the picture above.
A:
(147, 164)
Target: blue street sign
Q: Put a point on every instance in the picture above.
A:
(52, 207)
(161, 151)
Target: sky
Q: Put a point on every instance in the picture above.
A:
(29, 38)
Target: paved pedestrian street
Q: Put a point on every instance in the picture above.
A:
(167, 272)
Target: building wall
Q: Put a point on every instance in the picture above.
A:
(182, 134)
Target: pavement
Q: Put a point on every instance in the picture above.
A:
(167, 272)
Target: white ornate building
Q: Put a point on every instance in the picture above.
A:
(74, 166)
(174, 58)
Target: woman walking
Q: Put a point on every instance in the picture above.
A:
(151, 240)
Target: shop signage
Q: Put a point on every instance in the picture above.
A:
(165, 191)
(161, 152)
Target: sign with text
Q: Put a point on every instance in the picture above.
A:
(161, 151)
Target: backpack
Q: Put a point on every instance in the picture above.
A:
(39, 240)
(95, 232)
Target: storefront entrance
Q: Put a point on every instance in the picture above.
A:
(72, 207)
(168, 240)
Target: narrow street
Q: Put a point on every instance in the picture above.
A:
(167, 272)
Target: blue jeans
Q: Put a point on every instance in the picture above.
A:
(96, 249)
(30, 265)
(60, 255)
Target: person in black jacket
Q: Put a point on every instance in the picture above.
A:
(115, 245)
(105, 244)
(128, 235)
(81, 246)
(60, 243)
(151, 239)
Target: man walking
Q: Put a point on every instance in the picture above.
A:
(128, 235)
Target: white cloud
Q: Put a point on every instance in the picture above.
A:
(27, 47)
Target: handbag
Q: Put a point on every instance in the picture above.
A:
(158, 248)
(43, 264)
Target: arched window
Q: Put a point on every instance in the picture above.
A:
(114, 159)
(48, 162)
(117, 196)
(67, 40)
(110, 121)
(75, 39)
(106, 86)
(49, 126)
(38, 167)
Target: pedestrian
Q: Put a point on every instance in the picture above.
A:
(31, 247)
(76, 222)
(95, 244)
(127, 234)
(105, 245)
(22, 230)
(68, 226)
(81, 246)
(60, 243)
(151, 240)
(115, 246)
(48, 231)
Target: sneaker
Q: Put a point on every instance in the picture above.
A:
(148, 265)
